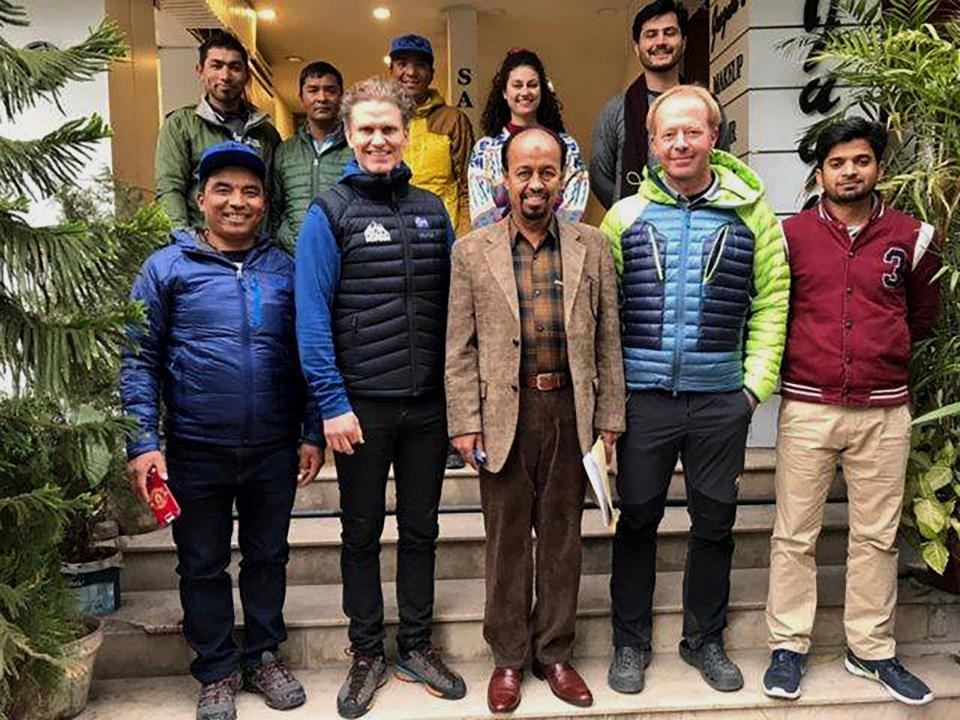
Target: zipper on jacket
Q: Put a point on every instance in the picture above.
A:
(408, 290)
(716, 252)
(680, 315)
(247, 357)
(661, 276)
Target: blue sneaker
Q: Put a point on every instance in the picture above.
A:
(782, 678)
(895, 678)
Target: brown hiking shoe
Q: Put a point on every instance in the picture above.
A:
(281, 690)
(217, 699)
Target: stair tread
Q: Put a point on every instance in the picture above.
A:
(755, 460)
(460, 600)
(468, 526)
(672, 686)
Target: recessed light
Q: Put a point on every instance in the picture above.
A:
(267, 14)
(607, 11)
(496, 12)
(381, 13)
(386, 60)
(294, 58)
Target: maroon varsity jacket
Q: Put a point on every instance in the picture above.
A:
(856, 306)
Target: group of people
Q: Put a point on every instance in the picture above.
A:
(396, 331)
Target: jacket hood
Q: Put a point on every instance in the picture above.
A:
(254, 116)
(434, 100)
(735, 184)
(357, 177)
(191, 239)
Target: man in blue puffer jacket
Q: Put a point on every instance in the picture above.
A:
(220, 350)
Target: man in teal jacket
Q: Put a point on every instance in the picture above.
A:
(223, 113)
(313, 159)
(705, 286)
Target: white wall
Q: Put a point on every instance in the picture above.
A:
(63, 24)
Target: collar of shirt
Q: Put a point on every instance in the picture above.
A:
(553, 233)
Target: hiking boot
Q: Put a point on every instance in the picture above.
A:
(280, 689)
(218, 699)
(782, 678)
(425, 665)
(717, 670)
(367, 674)
(895, 678)
(626, 669)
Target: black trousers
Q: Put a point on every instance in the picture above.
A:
(206, 480)
(412, 435)
(708, 431)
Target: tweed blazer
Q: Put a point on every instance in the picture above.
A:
(483, 337)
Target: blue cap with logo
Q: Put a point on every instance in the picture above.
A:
(230, 154)
(412, 43)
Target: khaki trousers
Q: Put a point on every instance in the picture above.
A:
(872, 445)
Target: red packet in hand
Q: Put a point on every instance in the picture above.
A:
(162, 502)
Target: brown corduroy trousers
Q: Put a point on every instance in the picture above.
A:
(540, 487)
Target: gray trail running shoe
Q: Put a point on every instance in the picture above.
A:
(271, 679)
(367, 673)
(625, 674)
(218, 699)
(782, 678)
(425, 665)
(717, 670)
(902, 684)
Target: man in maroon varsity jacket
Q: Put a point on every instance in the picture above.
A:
(861, 294)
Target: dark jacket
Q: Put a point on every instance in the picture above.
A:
(373, 275)
(856, 306)
(219, 348)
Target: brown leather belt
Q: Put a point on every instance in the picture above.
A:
(545, 381)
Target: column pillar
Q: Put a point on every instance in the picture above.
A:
(135, 96)
(463, 82)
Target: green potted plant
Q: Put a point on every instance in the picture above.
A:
(899, 67)
(62, 324)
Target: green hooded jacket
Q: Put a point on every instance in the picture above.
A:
(300, 174)
(183, 137)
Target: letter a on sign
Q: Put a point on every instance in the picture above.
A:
(464, 101)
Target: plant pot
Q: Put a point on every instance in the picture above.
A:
(950, 580)
(70, 697)
(95, 584)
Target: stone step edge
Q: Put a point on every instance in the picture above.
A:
(461, 600)
(468, 527)
(669, 690)
(757, 460)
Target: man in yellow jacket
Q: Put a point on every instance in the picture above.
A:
(441, 136)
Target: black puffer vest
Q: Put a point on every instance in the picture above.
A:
(390, 312)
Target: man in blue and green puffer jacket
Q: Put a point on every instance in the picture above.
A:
(705, 285)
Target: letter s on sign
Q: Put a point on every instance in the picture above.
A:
(464, 76)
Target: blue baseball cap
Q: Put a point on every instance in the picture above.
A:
(412, 43)
(230, 154)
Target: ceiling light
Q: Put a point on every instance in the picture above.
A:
(608, 11)
(386, 60)
(267, 14)
(295, 58)
(381, 13)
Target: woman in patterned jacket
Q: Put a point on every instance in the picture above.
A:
(521, 96)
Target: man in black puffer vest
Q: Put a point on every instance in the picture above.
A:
(373, 273)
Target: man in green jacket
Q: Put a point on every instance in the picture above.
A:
(313, 159)
(223, 113)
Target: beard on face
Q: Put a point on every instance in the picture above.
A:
(646, 59)
(538, 213)
(848, 198)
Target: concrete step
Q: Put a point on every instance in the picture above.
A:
(143, 638)
(460, 487)
(149, 560)
(674, 691)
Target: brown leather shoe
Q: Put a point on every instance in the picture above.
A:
(503, 692)
(565, 682)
